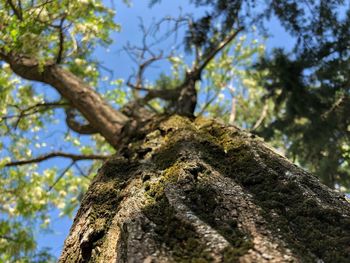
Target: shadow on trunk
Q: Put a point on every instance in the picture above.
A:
(200, 191)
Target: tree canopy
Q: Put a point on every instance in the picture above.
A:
(297, 100)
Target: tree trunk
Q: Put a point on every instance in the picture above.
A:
(200, 191)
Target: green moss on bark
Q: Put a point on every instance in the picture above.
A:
(175, 159)
(204, 201)
(304, 224)
(312, 230)
(179, 237)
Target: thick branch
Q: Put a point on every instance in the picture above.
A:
(164, 94)
(73, 157)
(187, 100)
(108, 121)
(81, 128)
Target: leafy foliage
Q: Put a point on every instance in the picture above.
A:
(31, 117)
(309, 85)
(297, 101)
(232, 92)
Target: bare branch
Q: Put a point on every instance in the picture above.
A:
(183, 20)
(140, 73)
(73, 157)
(143, 56)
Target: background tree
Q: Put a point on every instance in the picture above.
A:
(53, 43)
(310, 88)
(309, 84)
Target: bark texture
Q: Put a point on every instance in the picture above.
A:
(100, 115)
(200, 191)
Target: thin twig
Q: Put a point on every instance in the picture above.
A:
(217, 49)
(61, 176)
(61, 41)
(73, 157)
(31, 110)
(81, 171)
(208, 102)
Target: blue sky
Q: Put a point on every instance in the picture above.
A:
(121, 65)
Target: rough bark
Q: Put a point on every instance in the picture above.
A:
(200, 191)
